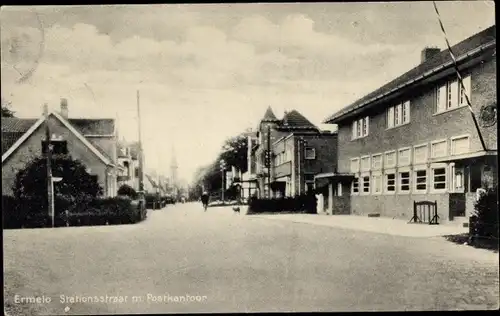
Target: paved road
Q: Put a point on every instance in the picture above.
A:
(236, 263)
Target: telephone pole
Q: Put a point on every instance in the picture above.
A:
(141, 155)
(48, 155)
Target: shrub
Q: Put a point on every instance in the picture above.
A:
(485, 217)
(298, 204)
(127, 190)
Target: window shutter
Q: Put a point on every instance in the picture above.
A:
(454, 94)
(441, 99)
(390, 117)
(467, 84)
(354, 129)
(367, 124)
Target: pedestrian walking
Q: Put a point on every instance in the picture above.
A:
(204, 200)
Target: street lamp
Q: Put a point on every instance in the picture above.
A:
(222, 169)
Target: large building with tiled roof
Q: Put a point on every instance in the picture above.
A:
(92, 141)
(415, 138)
(297, 151)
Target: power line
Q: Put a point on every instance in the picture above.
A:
(460, 80)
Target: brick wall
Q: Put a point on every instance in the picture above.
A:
(32, 148)
(424, 126)
(397, 206)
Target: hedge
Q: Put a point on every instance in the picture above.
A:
(108, 211)
(298, 204)
(484, 223)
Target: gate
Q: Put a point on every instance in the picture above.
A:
(425, 212)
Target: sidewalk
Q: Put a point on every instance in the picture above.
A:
(395, 227)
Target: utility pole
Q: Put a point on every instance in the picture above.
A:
(269, 161)
(48, 155)
(141, 155)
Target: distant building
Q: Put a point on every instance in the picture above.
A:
(297, 150)
(128, 159)
(92, 141)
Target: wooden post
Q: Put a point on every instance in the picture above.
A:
(50, 193)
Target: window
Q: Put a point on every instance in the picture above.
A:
(421, 180)
(58, 147)
(438, 149)
(398, 114)
(136, 172)
(377, 183)
(127, 168)
(460, 145)
(355, 185)
(360, 128)
(390, 117)
(420, 154)
(310, 187)
(310, 153)
(404, 181)
(390, 182)
(404, 157)
(451, 95)
(467, 84)
(390, 159)
(456, 178)
(365, 163)
(406, 112)
(339, 189)
(439, 178)
(354, 165)
(366, 184)
(377, 161)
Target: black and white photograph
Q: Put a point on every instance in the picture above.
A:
(249, 157)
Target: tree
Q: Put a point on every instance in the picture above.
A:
(6, 112)
(76, 186)
(234, 152)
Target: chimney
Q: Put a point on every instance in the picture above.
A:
(428, 53)
(64, 107)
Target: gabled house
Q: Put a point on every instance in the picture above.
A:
(128, 159)
(415, 139)
(92, 141)
(296, 152)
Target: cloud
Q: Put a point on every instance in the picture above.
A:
(199, 82)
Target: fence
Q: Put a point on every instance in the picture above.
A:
(425, 212)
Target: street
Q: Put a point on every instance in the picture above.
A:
(184, 260)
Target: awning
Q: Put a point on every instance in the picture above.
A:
(333, 175)
(466, 156)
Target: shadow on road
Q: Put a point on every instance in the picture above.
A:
(480, 243)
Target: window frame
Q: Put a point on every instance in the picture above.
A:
(416, 169)
(364, 175)
(415, 161)
(432, 177)
(313, 151)
(399, 164)
(358, 165)
(378, 155)
(395, 159)
(460, 103)
(356, 177)
(386, 181)
(361, 163)
(400, 180)
(452, 139)
(358, 128)
(438, 141)
(395, 114)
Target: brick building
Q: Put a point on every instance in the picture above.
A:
(298, 151)
(415, 139)
(92, 141)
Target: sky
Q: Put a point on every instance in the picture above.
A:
(206, 72)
